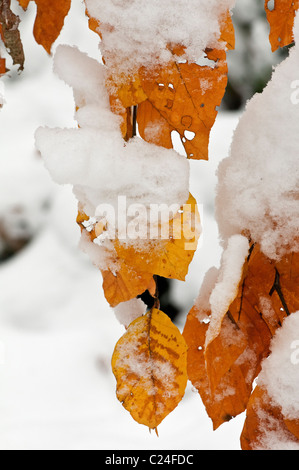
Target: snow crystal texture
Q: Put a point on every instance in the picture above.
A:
(139, 32)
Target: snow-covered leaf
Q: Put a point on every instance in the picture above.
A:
(149, 363)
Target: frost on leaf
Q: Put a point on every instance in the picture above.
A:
(281, 19)
(10, 35)
(49, 20)
(149, 363)
(272, 418)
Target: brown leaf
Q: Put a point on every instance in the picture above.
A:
(268, 292)
(49, 20)
(10, 34)
(281, 20)
(125, 284)
(149, 363)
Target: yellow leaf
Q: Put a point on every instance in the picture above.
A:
(149, 363)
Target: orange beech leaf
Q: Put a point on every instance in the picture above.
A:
(168, 257)
(281, 19)
(152, 126)
(125, 284)
(152, 287)
(2, 66)
(149, 363)
(181, 97)
(49, 20)
(223, 369)
(264, 418)
(227, 397)
(185, 97)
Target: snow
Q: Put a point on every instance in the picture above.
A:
(131, 40)
(257, 192)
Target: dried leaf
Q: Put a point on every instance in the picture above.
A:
(10, 35)
(293, 427)
(185, 97)
(149, 363)
(228, 32)
(262, 419)
(49, 20)
(227, 366)
(224, 397)
(281, 19)
(169, 257)
(2, 66)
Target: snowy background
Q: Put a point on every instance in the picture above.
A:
(57, 332)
